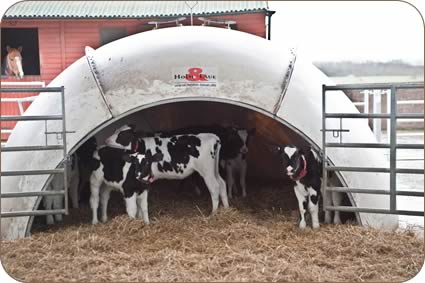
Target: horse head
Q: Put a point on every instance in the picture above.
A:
(14, 62)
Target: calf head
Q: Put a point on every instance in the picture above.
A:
(124, 137)
(143, 165)
(239, 138)
(294, 160)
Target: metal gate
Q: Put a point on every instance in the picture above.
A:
(392, 146)
(62, 170)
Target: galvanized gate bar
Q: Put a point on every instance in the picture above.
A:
(65, 154)
(324, 157)
(32, 172)
(392, 146)
(31, 194)
(357, 115)
(375, 210)
(358, 169)
(358, 145)
(32, 89)
(375, 145)
(375, 86)
(409, 146)
(393, 151)
(33, 213)
(30, 118)
(374, 191)
(30, 148)
(409, 171)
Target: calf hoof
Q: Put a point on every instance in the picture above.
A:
(104, 219)
(316, 225)
(302, 225)
(337, 221)
(94, 222)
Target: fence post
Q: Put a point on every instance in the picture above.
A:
(377, 110)
(393, 150)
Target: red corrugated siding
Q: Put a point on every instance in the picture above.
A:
(62, 42)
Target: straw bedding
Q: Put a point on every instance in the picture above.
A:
(245, 243)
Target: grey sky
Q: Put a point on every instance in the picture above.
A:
(362, 30)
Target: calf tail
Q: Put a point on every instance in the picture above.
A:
(217, 148)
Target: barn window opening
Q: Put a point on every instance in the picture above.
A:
(109, 34)
(28, 39)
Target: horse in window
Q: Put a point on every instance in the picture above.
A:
(12, 63)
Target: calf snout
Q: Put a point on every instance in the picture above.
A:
(289, 171)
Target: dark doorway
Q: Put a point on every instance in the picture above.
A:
(28, 39)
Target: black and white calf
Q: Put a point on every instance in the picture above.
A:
(235, 145)
(182, 156)
(120, 170)
(304, 168)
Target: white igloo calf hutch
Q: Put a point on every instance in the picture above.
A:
(188, 64)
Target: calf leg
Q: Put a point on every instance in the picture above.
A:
(48, 205)
(223, 193)
(337, 200)
(242, 177)
(302, 204)
(214, 188)
(327, 201)
(131, 205)
(58, 204)
(230, 180)
(95, 183)
(73, 191)
(105, 193)
(313, 207)
(142, 206)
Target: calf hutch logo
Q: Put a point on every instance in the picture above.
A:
(195, 77)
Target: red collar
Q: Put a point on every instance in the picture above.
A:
(302, 173)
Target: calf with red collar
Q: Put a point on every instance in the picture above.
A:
(304, 168)
(182, 155)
